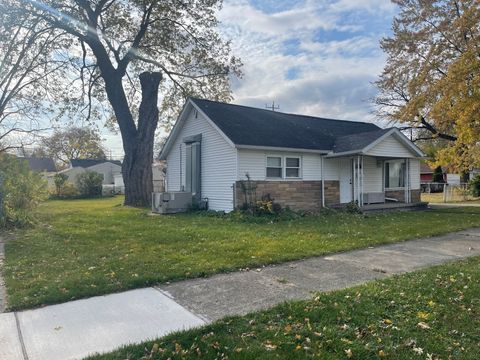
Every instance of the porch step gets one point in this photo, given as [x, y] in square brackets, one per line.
[386, 207]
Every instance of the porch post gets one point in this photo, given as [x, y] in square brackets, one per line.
[407, 181]
[362, 184]
[353, 180]
[323, 180]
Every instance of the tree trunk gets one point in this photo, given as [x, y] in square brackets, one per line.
[137, 163]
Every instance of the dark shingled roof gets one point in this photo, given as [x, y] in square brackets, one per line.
[41, 164]
[258, 127]
[85, 163]
[357, 141]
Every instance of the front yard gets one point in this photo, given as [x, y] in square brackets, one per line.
[83, 248]
[429, 314]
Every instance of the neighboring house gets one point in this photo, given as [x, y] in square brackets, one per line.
[44, 166]
[158, 176]
[426, 173]
[449, 176]
[41, 164]
[158, 172]
[107, 168]
[301, 161]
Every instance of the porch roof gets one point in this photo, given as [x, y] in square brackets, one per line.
[363, 143]
[357, 141]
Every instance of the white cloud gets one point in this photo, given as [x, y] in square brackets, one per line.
[333, 75]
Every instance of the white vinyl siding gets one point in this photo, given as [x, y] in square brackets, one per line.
[414, 174]
[254, 162]
[391, 147]
[373, 175]
[108, 170]
[311, 167]
[218, 163]
[331, 167]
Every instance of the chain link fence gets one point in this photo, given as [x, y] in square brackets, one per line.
[446, 193]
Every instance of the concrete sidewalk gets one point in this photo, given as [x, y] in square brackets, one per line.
[76, 329]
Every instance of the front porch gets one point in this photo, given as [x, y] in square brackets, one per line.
[378, 183]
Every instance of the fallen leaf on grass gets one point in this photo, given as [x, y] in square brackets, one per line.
[423, 325]
[423, 315]
[349, 353]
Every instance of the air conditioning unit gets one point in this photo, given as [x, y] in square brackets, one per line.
[171, 202]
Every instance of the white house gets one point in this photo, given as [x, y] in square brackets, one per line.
[299, 161]
[107, 168]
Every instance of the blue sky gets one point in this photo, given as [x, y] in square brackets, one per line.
[315, 57]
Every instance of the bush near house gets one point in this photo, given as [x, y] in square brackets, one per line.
[60, 181]
[20, 191]
[474, 185]
[89, 184]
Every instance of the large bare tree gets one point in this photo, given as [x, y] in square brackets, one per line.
[29, 64]
[126, 51]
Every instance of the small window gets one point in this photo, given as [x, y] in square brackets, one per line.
[292, 167]
[274, 167]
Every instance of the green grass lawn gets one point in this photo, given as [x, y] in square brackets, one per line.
[430, 314]
[456, 198]
[83, 248]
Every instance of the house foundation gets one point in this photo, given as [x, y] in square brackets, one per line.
[296, 195]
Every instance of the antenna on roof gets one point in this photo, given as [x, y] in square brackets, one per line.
[272, 107]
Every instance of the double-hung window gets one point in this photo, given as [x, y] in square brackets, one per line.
[274, 167]
[395, 171]
[292, 167]
[280, 167]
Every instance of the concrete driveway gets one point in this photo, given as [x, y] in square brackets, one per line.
[100, 324]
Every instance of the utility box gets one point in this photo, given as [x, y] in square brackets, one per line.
[171, 202]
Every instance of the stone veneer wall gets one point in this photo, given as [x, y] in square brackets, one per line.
[332, 192]
[400, 195]
[297, 195]
[396, 194]
[415, 195]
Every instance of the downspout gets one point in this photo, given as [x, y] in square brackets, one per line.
[323, 180]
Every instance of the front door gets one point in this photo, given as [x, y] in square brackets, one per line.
[346, 187]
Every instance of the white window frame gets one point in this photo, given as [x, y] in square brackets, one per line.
[299, 168]
[274, 167]
[284, 167]
[385, 175]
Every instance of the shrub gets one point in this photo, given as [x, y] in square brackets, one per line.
[352, 208]
[20, 191]
[438, 175]
[68, 191]
[474, 185]
[60, 181]
[89, 184]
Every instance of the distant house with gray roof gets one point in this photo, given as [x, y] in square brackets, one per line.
[41, 164]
